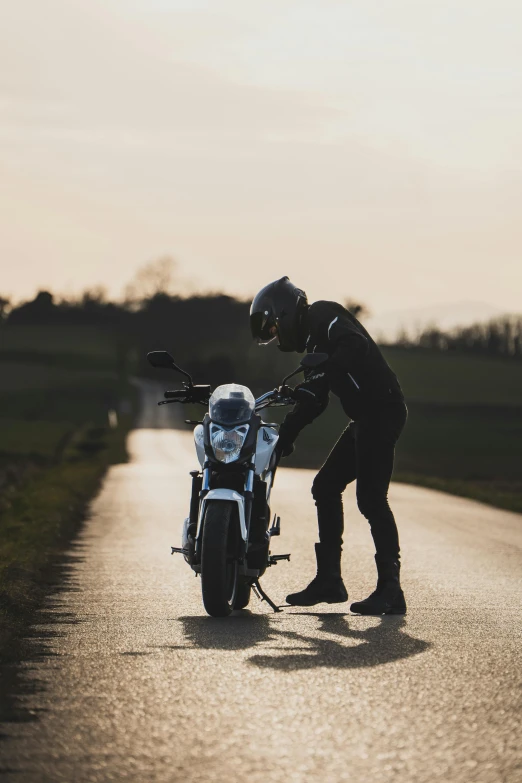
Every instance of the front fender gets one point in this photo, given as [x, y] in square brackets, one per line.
[229, 495]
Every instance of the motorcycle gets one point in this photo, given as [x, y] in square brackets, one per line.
[227, 535]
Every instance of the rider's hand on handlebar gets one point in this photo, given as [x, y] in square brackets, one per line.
[286, 392]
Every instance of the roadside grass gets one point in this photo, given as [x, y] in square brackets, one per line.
[39, 516]
[492, 492]
[55, 446]
[21, 438]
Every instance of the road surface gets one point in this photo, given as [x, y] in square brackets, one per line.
[131, 681]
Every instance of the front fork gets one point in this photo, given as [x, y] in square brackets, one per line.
[197, 486]
[200, 488]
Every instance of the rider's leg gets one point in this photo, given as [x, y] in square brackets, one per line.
[338, 470]
[375, 447]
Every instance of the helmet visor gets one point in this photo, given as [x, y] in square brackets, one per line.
[263, 327]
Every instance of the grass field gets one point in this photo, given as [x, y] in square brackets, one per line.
[464, 431]
[431, 377]
[53, 342]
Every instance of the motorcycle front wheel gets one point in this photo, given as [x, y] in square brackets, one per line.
[219, 558]
[244, 590]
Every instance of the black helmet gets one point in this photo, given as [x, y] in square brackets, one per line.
[284, 306]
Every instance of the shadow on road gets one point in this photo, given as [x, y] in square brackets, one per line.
[19, 671]
[237, 632]
[352, 648]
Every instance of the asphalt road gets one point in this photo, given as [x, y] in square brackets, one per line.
[131, 681]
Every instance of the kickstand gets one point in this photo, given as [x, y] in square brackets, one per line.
[263, 596]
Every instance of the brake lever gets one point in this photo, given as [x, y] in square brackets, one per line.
[168, 402]
[285, 401]
[283, 392]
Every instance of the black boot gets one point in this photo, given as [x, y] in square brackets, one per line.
[388, 597]
[328, 586]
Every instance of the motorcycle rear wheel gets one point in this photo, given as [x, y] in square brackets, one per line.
[219, 558]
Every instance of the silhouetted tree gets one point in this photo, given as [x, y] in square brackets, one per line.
[498, 337]
[155, 277]
[5, 306]
[359, 310]
[40, 310]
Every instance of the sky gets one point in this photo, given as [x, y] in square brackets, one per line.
[369, 149]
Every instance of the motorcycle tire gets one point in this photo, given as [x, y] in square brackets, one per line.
[219, 558]
[243, 594]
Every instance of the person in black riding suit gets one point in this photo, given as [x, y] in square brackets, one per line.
[371, 397]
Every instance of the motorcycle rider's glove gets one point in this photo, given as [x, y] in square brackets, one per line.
[284, 449]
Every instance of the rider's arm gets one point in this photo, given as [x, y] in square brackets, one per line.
[312, 399]
[348, 346]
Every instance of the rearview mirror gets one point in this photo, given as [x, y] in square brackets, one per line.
[313, 360]
[161, 359]
[165, 360]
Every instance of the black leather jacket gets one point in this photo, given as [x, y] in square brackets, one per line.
[356, 371]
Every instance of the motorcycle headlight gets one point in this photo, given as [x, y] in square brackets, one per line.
[227, 444]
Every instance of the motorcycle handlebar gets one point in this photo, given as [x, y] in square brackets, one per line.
[175, 394]
[200, 394]
[280, 396]
[266, 397]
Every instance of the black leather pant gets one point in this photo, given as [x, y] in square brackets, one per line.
[365, 452]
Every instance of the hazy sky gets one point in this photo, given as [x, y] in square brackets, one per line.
[370, 149]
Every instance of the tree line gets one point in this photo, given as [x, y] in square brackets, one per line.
[501, 337]
[210, 336]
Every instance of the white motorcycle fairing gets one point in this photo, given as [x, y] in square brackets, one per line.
[198, 440]
[267, 438]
